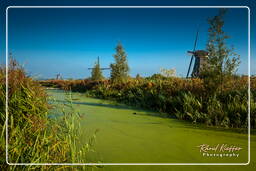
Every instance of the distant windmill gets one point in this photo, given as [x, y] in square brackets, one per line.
[98, 62]
[200, 59]
[58, 76]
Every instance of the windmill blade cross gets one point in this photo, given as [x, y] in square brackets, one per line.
[98, 62]
[196, 40]
[100, 68]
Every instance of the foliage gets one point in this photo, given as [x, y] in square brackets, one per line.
[168, 72]
[191, 108]
[32, 136]
[185, 99]
[119, 69]
[138, 76]
[222, 61]
[96, 72]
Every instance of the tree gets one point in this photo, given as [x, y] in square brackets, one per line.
[119, 69]
[222, 62]
[96, 72]
[138, 77]
[168, 72]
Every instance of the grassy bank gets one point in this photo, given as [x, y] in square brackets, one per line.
[186, 99]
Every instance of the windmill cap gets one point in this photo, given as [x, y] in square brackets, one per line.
[199, 53]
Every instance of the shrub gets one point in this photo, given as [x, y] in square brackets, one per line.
[191, 108]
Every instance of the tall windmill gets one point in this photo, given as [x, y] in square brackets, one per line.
[98, 62]
[200, 57]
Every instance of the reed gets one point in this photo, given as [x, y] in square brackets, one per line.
[33, 136]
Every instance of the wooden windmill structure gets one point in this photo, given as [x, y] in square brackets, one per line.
[58, 77]
[200, 57]
[98, 62]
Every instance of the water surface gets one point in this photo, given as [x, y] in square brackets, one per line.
[129, 135]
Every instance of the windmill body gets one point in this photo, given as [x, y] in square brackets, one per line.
[200, 57]
[200, 62]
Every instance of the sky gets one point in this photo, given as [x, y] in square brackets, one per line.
[68, 41]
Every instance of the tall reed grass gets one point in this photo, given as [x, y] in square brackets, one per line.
[34, 137]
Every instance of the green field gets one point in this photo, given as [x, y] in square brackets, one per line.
[130, 135]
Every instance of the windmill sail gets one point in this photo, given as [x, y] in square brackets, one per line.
[98, 62]
[193, 53]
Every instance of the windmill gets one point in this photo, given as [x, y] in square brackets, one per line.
[58, 77]
[98, 62]
[200, 59]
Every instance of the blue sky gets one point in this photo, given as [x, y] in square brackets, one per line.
[68, 41]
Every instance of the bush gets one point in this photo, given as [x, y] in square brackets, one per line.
[191, 108]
